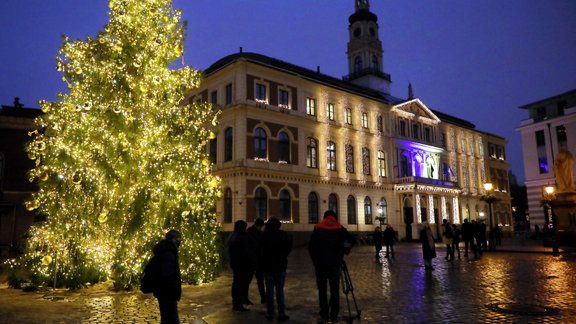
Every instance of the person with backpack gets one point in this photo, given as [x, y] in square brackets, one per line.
[328, 244]
[167, 286]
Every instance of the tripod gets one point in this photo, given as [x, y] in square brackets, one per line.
[347, 287]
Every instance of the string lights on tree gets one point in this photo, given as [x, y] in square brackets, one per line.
[120, 158]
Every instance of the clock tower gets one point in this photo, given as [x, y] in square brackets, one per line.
[365, 54]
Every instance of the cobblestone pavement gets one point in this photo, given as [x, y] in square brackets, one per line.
[499, 287]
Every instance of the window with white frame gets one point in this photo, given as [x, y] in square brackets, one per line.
[381, 164]
[365, 120]
[311, 106]
[330, 111]
[331, 155]
[348, 116]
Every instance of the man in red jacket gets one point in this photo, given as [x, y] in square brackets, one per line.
[328, 244]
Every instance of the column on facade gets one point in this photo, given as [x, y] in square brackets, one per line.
[456, 210]
[431, 219]
[443, 207]
[418, 208]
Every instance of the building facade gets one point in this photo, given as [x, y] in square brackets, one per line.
[15, 123]
[293, 142]
[551, 126]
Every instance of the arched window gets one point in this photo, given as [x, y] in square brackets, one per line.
[351, 202]
[366, 161]
[381, 164]
[261, 203]
[228, 144]
[285, 205]
[383, 210]
[333, 203]
[283, 147]
[331, 155]
[313, 208]
[374, 63]
[358, 64]
[349, 158]
[228, 205]
[367, 210]
[311, 153]
[260, 143]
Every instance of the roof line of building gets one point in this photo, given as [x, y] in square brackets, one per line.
[567, 93]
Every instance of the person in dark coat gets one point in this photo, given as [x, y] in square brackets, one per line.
[328, 244]
[169, 288]
[428, 246]
[255, 232]
[242, 264]
[455, 240]
[467, 236]
[378, 241]
[389, 235]
[447, 235]
[276, 246]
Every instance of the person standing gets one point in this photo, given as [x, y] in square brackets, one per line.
[467, 236]
[455, 240]
[389, 236]
[242, 264]
[255, 232]
[447, 235]
[428, 246]
[328, 244]
[377, 241]
[276, 246]
[168, 290]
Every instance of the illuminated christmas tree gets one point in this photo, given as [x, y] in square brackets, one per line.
[120, 159]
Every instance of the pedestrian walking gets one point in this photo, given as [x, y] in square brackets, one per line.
[277, 245]
[447, 235]
[328, 244]
[455, 240]
[428, 246]
[389, 236]
[242, 264]
[377, 241]
[467, 236]
[255, 232]
[168, 289]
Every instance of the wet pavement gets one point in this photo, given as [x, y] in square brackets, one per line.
[503, 286]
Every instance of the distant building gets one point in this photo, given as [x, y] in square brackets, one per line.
[293, 142]
[15, 123]
[551, 126]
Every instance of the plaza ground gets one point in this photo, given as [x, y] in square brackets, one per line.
[522, 282]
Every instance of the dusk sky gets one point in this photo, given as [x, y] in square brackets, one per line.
[474, 59]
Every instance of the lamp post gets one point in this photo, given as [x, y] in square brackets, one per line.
[490, 198]
[549, 219]
[380, 217]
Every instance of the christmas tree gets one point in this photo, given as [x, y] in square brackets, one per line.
[121, 158]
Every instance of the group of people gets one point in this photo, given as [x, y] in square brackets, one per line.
[386, 237]
[472, 233]
[262, 251]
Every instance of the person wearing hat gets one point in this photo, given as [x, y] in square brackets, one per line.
[328, 244]
[169, 288]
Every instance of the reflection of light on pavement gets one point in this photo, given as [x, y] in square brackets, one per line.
[386, 280]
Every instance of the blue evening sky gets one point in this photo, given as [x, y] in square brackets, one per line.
[474, 59]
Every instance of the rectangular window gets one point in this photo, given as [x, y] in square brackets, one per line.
[214, 97]
[540, 140]
[541, 114]
[444, 140]
[283, 99]
[379, 124]
[348, 116]
[561, 136]
[541, 150]
[229, 94]
[330, 111]
[491, 150]
[402, 129]
[560, 107]
[427, 134]
[311, 106]
[416, 131]
[365, 120]
[260, 92]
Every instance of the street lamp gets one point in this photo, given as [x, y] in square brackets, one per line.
[380, 212]
[490, 198]
[549, 224]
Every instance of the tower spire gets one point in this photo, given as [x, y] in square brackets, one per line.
[365, 53]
